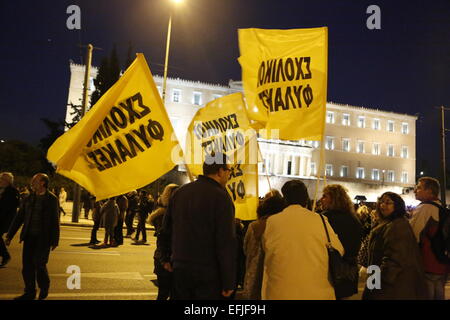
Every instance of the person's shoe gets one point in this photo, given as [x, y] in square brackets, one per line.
[5, 260]
[43, 294]
[26, 296]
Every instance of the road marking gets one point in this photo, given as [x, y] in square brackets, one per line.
[106, 275]
[90, 294]
[110, 253]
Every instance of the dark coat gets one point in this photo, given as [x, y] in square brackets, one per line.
[393, 247]
[9, 201]
[199, 230]
[350, 232]
[50, 219]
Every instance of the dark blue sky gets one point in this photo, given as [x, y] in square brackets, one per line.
[404, 67]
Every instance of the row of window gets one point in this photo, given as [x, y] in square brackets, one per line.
[197, 97]
[361, 122]
[360, 173]
[360, 147]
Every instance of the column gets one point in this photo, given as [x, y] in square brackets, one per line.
[294, 169]
[302, 171]
[308, 166]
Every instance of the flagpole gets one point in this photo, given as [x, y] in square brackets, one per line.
[77, 190]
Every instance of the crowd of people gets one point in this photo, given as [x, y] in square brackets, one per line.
[204, 252]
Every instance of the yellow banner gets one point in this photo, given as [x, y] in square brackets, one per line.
[223, 126]
[123, 143]
[284, 74]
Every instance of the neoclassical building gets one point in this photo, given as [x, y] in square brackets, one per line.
[369, 151]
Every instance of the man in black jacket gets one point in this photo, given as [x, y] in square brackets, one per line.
[198, 237]
[39, 214]
[9, 201]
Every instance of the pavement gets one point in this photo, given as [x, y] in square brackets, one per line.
[66, 220]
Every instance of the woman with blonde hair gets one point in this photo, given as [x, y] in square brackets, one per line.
[156, 218]
[339, 210]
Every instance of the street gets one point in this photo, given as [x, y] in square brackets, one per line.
[120, 273]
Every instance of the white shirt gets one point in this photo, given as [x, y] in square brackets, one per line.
[296, 258]
[421, 214]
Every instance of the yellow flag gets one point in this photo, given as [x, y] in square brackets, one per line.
[123, 143]
[284, 74]
[223, 126]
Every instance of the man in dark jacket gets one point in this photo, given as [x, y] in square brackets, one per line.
[9, 201]
[39, 214]
[198, 237]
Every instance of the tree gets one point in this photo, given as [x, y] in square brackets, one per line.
[21, 158]
[130, 58]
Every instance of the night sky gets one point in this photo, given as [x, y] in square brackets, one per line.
[404, 67]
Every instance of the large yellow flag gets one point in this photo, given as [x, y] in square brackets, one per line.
[223, 126]
[284, 75]
[123, 143]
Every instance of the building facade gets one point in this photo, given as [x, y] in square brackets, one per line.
[368, 151]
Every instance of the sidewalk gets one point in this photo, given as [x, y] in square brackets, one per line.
[66, 220]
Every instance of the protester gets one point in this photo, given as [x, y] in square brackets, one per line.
[110, 215]
[96, 217]
[164, 277]
[145, 207]
[122, 203]
[296, 256]
[39, 215]
[425, 221]
[393, 248]
[133, 206]
[198, 240]
[9, 201]
[272, 203]
[62, 200]
[339, 209]
[88, 203]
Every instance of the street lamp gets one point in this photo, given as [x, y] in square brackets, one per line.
[166, 63]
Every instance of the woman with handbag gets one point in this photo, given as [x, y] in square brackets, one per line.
[339, 210]
[393, 248]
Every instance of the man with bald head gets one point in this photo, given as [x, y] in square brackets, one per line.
[9, 201]
[39, 215]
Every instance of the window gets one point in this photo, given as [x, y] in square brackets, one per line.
[346, 119]
[391, 152]
[375, 174]
[176, 95]
[360, 147]
[359, 173]
[344, 171]
[289, 168]
[329, 170]
[405, 128]
[346, 145]
[361, 122]
[197, 98]
[376, 149]
[329, 144]
[330, 117]
[404, 152]
[391, 176]
[390, 126]
[404, 177]
[313, 169]
[376, 124]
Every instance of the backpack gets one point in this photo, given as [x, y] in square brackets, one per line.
[440, 242]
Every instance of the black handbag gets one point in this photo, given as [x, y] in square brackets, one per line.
[340, 271]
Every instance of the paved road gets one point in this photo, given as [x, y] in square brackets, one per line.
[119, 273]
